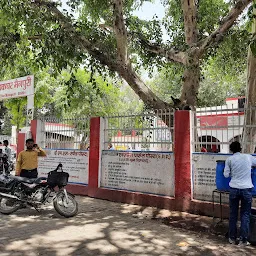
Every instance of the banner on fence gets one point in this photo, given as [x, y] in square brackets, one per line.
[15, 88]
[204, 177]
[146, 172]
[75, 162]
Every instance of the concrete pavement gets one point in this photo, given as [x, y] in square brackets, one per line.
[105, 228]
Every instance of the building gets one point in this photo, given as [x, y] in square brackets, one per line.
[218, 126]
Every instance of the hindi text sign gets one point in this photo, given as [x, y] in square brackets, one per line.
[147, 172]
[204, 177]
[15, 88]
[75, 162]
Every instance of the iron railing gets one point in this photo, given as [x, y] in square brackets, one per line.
[216, 127]
[66, 133]
[149, 131]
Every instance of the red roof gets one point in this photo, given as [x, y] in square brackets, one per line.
[242, 97]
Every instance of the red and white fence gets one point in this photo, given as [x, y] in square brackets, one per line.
[152, 162]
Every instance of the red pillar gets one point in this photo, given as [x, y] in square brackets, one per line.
[182, 149]
[94, 156]
[20, 143]
[33, 129]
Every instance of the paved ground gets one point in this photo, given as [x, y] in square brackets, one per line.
[107, 228]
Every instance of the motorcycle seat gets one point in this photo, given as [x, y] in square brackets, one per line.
[29, 181]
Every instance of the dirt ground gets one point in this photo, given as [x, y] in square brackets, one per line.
[107, 228]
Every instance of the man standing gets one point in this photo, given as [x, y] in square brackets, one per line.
[27, 161]
[238, 167]
[7, 157]
[7, 150]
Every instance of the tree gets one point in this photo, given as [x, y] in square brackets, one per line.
[108, 34]
[84, 94]
[79, 93]
[44, 84]
[5, 125]
[249, 133]
[216, 83]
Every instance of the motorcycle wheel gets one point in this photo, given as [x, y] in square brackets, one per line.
[67, 208]
[8, 205]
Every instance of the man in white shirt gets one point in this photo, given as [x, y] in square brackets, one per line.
[238, 167]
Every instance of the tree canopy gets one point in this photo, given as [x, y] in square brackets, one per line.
[109, 39]
[70, 94]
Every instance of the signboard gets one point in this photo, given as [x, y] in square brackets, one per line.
[15, 88]
[75, 162]
[146, 172]
[218, 122]
[204, 176]
[163, 131]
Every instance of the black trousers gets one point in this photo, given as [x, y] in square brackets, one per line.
[30, 174]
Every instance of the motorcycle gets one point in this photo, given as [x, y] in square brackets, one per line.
[17, 192]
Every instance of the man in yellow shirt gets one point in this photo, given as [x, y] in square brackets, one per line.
[27, 161]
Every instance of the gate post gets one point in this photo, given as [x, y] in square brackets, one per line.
[20, 144]
[96, 146]
[37, 128]
[183, 159]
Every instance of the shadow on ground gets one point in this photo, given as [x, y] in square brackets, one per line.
[107, 228]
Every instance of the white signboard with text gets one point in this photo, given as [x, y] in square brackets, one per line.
[146, 172]
[15, 88]
[204, 176]
[75, 162]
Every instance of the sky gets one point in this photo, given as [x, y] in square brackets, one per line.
[146, 12]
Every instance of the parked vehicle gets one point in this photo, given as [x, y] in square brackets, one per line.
[17, 192]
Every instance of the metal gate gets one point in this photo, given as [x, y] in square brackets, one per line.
[66, 133]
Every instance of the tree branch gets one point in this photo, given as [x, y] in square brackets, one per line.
[120, 31]
[226, 24]
[169, 54]
[125, 71]
[189, 8]
[34, 38]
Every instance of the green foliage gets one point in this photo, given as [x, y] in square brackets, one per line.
[215, 86]
[5, 122]
[43, 87]
[210, 14]
[231, 57]
[214, 89]
[34, 41]
[16, 108]
[253, 48]
[167, 82]
[82, 93]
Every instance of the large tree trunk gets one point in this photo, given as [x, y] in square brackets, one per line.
[249, 133]
[191, 78]
[189, 94]
[191, 74]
